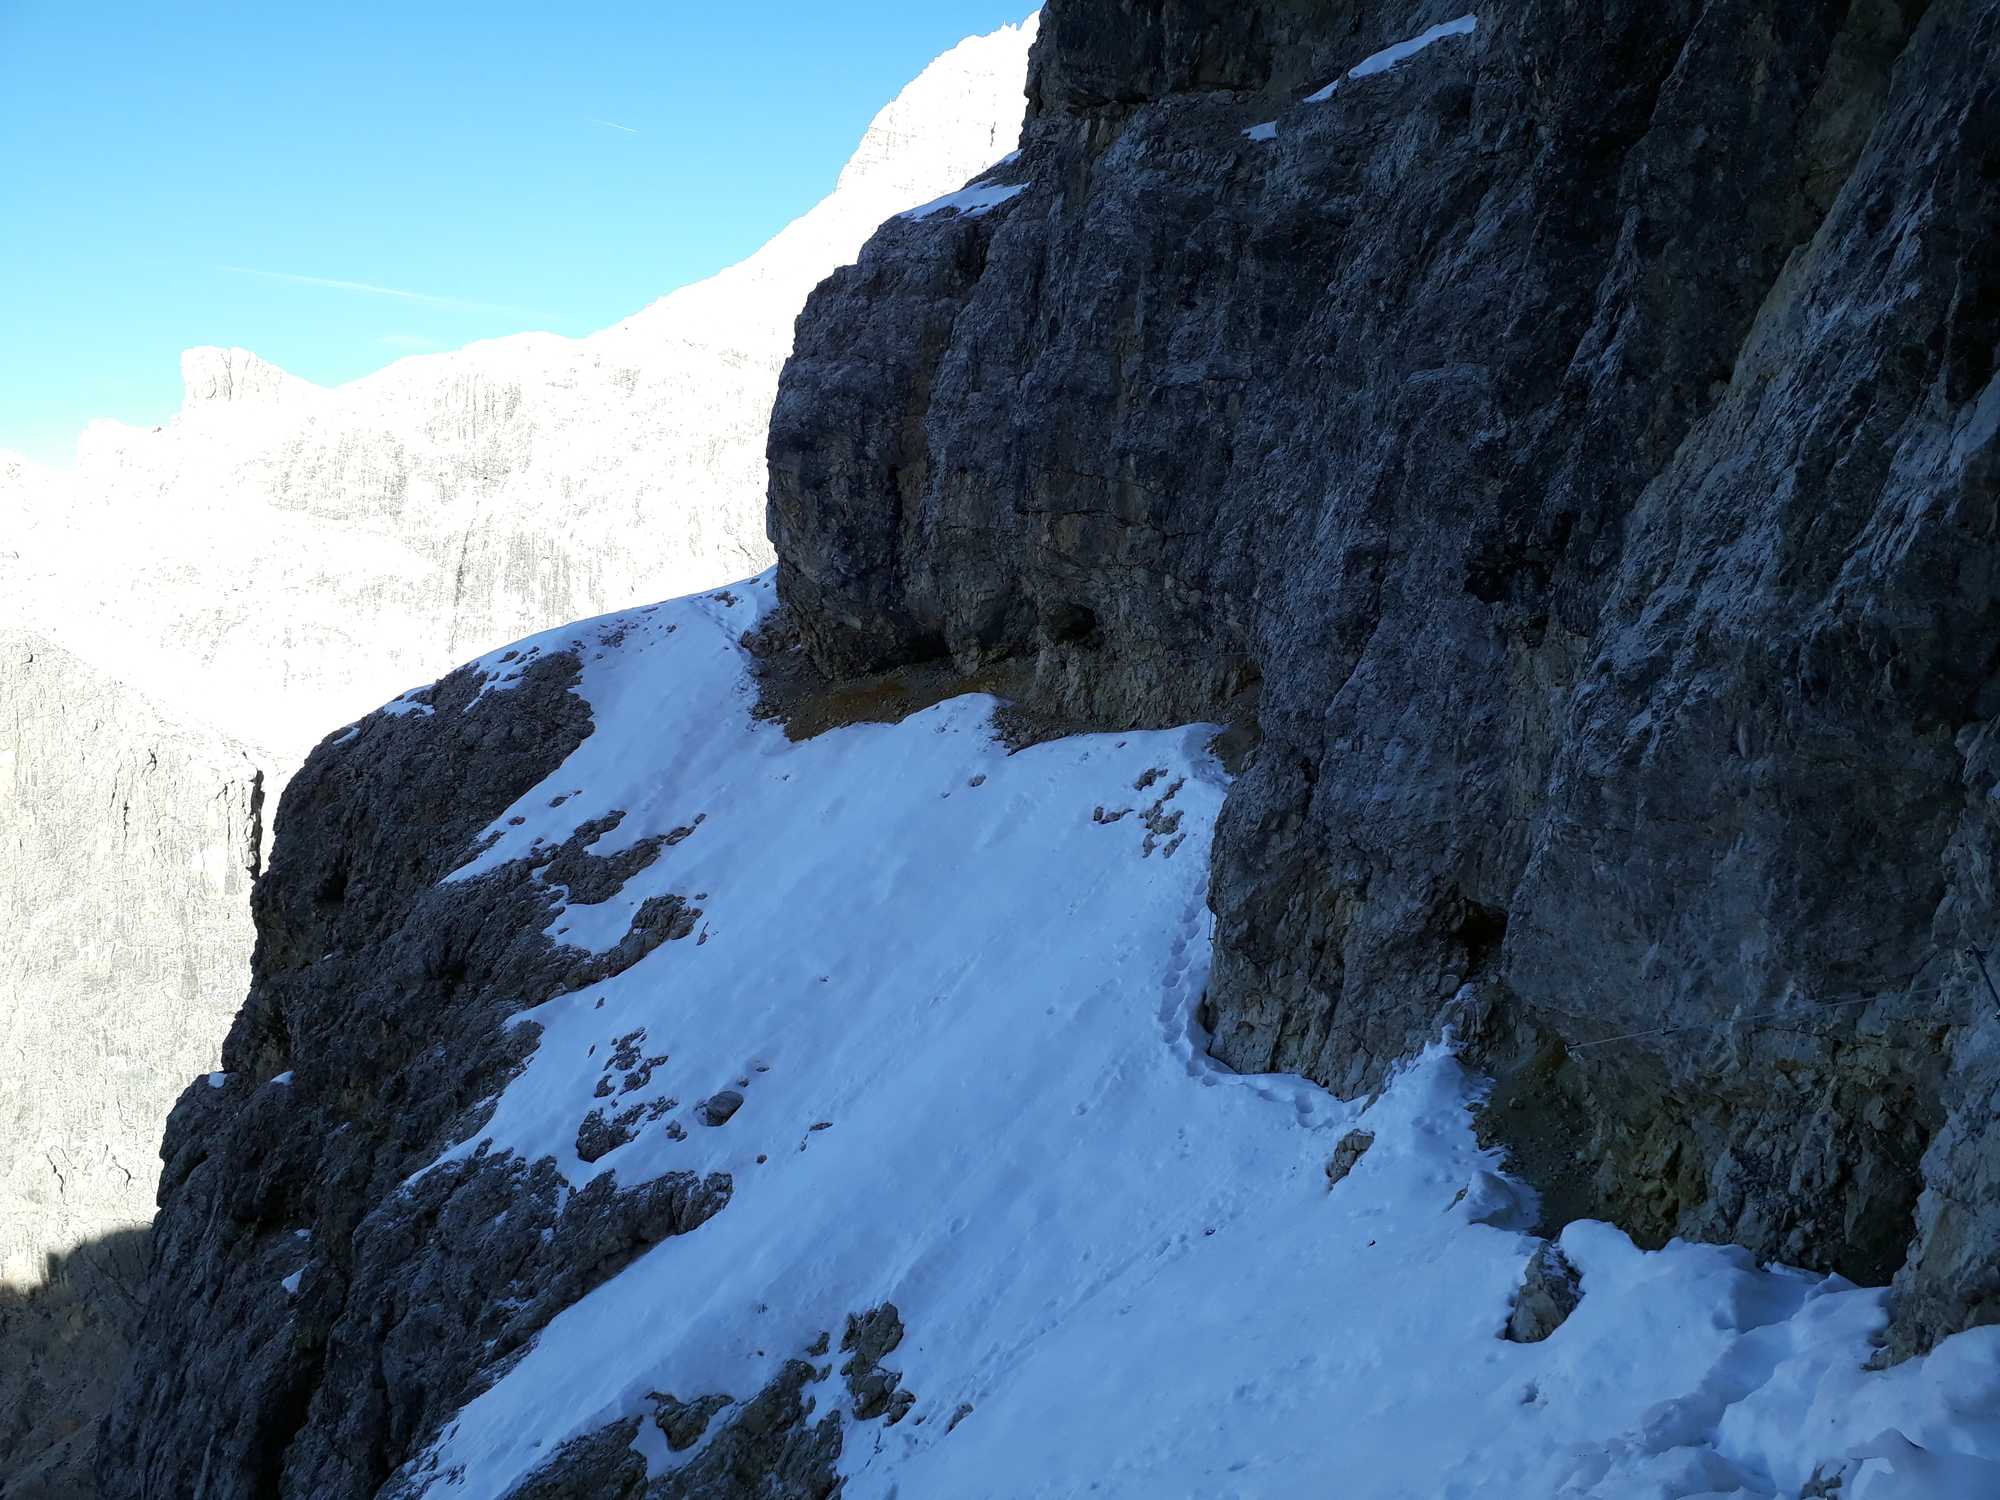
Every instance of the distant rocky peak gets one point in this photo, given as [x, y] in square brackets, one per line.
[209, 374]
[900, 155]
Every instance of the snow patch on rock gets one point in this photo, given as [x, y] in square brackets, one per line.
[969, 202]
[954, 1000]
[1388, 57]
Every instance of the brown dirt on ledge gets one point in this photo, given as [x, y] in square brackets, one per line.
[792, 692]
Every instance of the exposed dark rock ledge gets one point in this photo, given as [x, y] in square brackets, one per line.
[1581, 439]
[309, 1326]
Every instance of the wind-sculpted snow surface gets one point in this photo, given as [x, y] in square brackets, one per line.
[994, 1221]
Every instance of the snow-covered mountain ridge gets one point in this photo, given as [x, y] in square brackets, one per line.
[281, 557]
[964, 1206]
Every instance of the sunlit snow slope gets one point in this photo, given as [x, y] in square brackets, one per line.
[281, 556]
[955, 989]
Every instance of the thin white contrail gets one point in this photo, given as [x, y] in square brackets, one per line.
[370, 289]
[613, 124]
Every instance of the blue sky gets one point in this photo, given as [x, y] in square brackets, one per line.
[465, 153]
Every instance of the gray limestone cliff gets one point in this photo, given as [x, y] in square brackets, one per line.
[1564, 452]
[131, 839]
[1574, 444]
[141, 827]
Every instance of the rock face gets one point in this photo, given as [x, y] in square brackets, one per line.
[130, 842]
[67, 1342]
[283, 1168]
[238, 377]
[1563, 441]
[1574, 437]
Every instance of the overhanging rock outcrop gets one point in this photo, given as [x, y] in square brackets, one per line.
[1573, 434]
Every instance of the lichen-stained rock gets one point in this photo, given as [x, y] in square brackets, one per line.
[1575, 438]
[326, 1308]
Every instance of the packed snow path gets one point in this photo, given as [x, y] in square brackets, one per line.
[955, 990]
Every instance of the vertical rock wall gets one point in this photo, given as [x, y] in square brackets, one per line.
[124, 955]
[129, 841]
[1573, 441]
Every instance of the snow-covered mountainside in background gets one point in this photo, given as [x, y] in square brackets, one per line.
[979, 1216]
[279, 557]
[186, 612]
